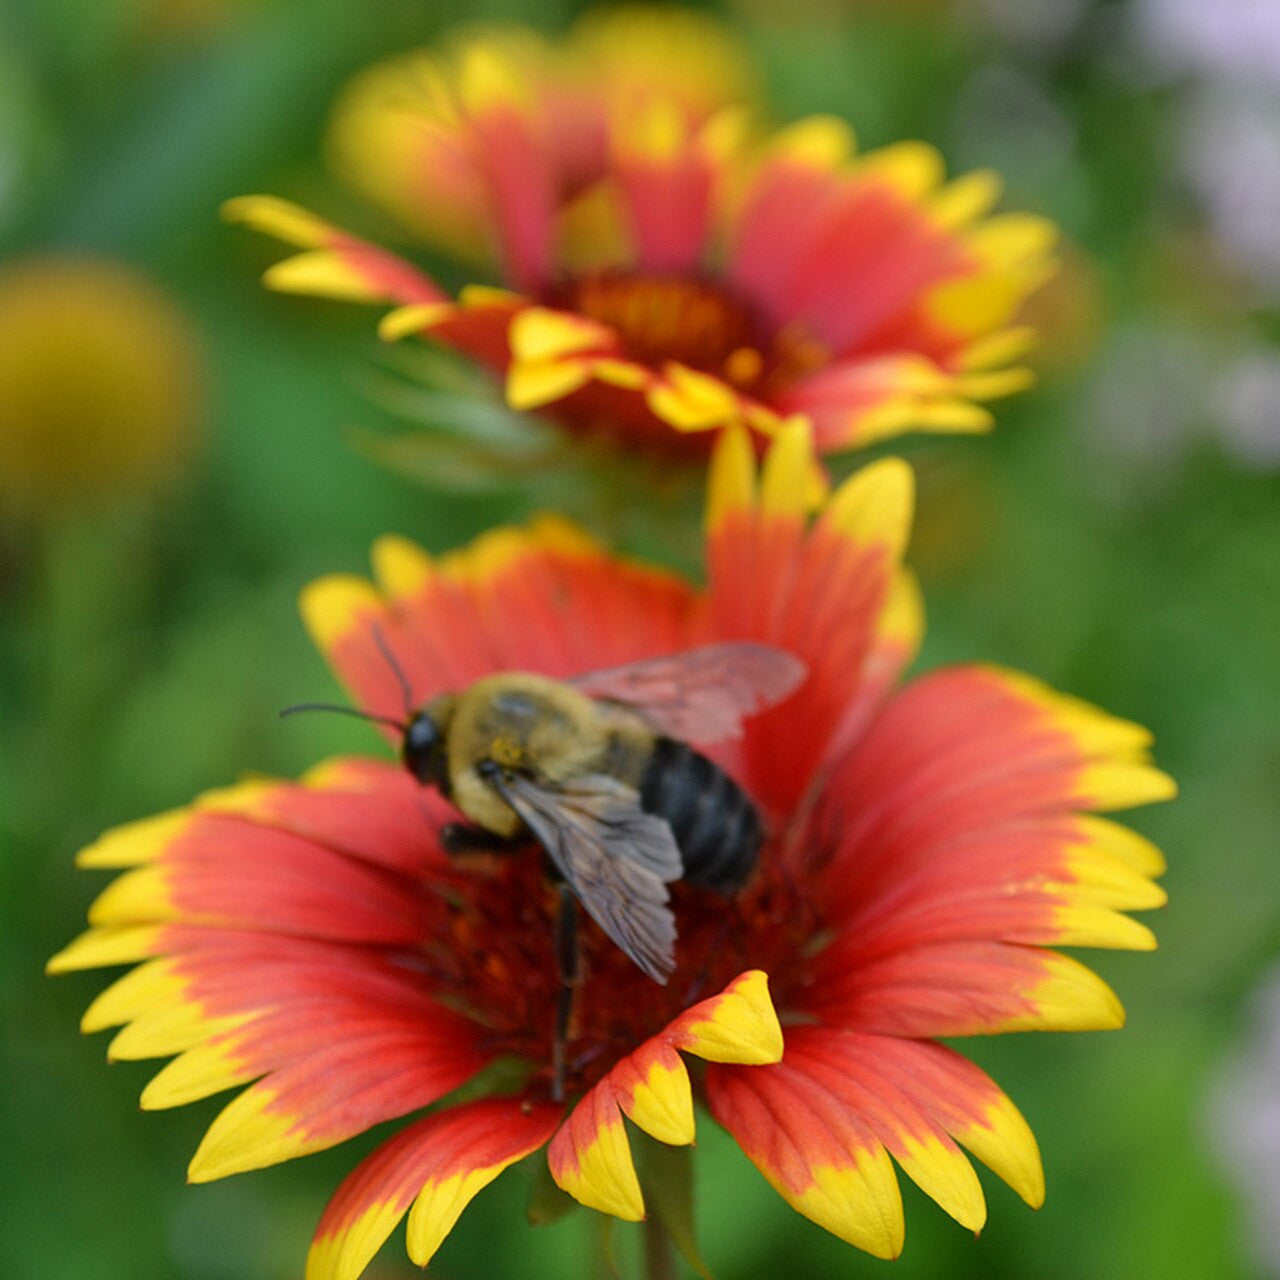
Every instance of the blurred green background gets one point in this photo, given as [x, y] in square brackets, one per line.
[1119, 536]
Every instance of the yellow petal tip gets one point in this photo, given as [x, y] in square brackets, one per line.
[332, 606]
[414, 318]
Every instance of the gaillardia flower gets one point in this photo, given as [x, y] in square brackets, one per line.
[654, 269]
[100, 383]
[927, 848]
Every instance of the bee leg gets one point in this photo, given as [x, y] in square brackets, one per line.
[566, 939]
[463, 837]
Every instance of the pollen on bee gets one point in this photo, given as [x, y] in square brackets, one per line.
[506, 751]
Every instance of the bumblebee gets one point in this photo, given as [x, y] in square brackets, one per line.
[600, 772]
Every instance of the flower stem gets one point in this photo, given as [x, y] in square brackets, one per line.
[605, 1262]
[659, 1255]
[666, 1175]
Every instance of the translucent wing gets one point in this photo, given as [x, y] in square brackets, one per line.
[616, 858]
[701, 695]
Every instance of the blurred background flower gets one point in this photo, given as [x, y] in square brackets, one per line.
[666, 266]
[99, 383]
[1228, 56]
[1142, 574]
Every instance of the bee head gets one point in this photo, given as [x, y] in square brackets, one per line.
[424, 749]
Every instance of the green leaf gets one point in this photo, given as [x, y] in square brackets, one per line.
[546, 1203]
[666, 1177]
[469, 415]
[606, 1247]
[447, 462]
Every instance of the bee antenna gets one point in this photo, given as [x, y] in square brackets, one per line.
[397, 670]
[343, 711]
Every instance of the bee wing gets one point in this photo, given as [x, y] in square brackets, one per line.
[616, 858]
[701, 695]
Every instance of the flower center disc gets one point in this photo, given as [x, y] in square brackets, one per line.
[496, 962]
[672, 318]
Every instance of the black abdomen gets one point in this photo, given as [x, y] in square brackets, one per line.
[715, 823]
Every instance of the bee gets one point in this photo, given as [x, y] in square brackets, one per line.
[600, 772]
[603, 773]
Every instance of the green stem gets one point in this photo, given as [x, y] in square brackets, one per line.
[91, 592]
[659, 1256]
[666, 1176]
[605, 1261]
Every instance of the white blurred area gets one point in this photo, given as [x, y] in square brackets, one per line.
[1227, 53]
[1248, 408]
[1243, 1124]
[1183, 375]
[1039, 26]
[1225, 56]
[1232, 163]
[1161, 390]
[1236, 40]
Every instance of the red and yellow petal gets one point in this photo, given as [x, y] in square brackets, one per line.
[689, 400]
[370, 810]
[514, 156]
[819, 1155]
[635, 53]
[543, 355]
[258, 906]
[899, 633]
[437, 1165]
[968, 751]
[668, 173]
[553, 354]
[460, 145]
[822, 1125]
[933, 283]
[477, 324]
[794, 181]
[102, 947]
[320, 1094]
[546, 599]
[870, 253]
[339, 1039]
[279, 1020]
[396, 136]
[673, 410]
[1013, 253]
[818, 590]
[333, 264]
[962, 853]
[590, 1157]
[366, 809]
[1114, 769]
[651, 1086]
[577, 370]
[237, 1006]
[219, 869]
[739, 1025]
[857, 400]
[961, 989]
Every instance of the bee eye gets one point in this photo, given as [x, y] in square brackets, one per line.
[422, 749]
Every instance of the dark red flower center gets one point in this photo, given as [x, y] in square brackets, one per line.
[697, 322]
[495, 961]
